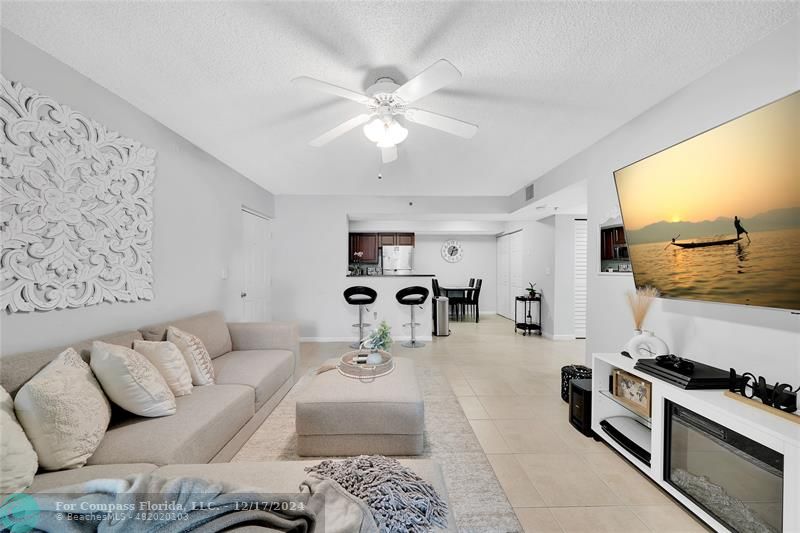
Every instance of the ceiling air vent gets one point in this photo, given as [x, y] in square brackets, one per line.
[529, 193]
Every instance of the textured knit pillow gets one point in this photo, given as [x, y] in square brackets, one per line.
[195, 354]
[168, 359]
[64, 412]
[18, 461]
[131, 381]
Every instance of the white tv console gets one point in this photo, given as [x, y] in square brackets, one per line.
[765, 428]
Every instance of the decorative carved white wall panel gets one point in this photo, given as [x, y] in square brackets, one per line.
[76, 207]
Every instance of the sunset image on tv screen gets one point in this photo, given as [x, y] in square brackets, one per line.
[717, 217]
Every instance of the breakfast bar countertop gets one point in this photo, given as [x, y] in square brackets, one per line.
[391, 275]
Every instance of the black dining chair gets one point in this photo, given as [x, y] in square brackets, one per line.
[473, 299]
[436, 290]
[457, 300]
[471, 282]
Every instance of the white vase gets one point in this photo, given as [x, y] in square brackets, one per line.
[645, 344]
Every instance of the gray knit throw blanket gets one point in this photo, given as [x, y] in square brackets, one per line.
[400, 500]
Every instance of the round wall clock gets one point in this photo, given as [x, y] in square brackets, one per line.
[452, 251]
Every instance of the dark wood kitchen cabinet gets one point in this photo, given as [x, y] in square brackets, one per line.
[364, 242]
[611, 239]
[396, 239]
[405, 239]
[387, 239]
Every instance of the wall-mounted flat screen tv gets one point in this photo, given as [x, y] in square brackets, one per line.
[717, 217]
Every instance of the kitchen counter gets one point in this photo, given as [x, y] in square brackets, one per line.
[386, 307]
[391, 276]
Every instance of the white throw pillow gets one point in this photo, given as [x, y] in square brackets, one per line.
[131, 381]
[18, 461]
[168, 359]
[64, 412]
[195, 354]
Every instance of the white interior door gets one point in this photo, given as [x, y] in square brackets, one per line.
[503, 281]
[256, 268]
[581, 235]
[516, 278]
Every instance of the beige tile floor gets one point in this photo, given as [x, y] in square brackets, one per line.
[556, 479]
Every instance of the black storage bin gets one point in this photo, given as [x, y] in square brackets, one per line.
[572, 372]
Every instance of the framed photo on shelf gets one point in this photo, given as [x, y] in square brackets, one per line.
[633, 392]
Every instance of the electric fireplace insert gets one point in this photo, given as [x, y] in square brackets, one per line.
[733, 478]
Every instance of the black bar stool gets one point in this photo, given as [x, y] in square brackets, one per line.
[362, 297]
[413, 297]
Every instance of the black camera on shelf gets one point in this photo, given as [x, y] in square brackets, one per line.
[780, 395]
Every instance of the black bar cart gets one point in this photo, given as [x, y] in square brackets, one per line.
[527, 325]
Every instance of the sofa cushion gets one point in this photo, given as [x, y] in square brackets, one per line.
[204, 422]
[18, 461]
[19, 368]
[168, 359]
[131, 381]
[64, 412]
[210, 327]
[195, 354]
[63, 478]
[264, 370]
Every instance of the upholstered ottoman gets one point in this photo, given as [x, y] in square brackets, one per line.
[341, 416]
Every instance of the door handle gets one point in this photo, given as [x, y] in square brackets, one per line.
[243, 294]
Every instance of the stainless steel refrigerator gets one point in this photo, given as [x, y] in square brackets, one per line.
[397, 260]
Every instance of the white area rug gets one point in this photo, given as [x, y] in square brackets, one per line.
[477, 500]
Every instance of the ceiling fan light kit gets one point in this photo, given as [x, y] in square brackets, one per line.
[385, 133]
[385, 101]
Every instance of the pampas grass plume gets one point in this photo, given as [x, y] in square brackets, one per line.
[639, 303]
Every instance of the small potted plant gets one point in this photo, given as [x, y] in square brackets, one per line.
[357, 260]
[380, 339]
[531, 290]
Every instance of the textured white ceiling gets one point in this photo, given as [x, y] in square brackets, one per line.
[543, 80]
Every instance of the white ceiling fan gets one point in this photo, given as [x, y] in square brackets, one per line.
[386, 100]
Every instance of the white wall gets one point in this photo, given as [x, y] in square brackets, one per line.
[549, 261]
[197, 206]
[538, 263]
[479, 261]
[762, 340]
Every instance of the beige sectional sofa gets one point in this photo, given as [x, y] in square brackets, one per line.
[255, 366]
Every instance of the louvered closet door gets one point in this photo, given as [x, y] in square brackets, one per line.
[581, 235]
[517, 280]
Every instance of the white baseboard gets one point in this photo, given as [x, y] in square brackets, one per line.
[558, 337]
[327, 339]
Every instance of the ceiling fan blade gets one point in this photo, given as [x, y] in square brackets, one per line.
[431, 79]
[341, 129]
[441, 122]
[311, 83]
[389, 154]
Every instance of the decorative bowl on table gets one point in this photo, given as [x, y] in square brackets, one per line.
[354, 364]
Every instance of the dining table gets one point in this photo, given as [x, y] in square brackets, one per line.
[455, 291]
[455, 288]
